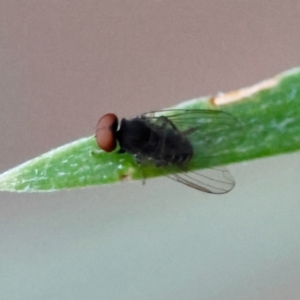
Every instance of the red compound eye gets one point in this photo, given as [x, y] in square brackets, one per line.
[106, 132]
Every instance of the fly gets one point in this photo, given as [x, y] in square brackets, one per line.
[165, 137]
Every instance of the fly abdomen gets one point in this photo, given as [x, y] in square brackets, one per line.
[171, 148]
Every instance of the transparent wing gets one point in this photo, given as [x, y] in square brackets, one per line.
[214, 181]
[187, 119]
[209, 131]
[204, 129]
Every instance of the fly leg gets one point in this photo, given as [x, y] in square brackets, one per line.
[95, 153]
[165, 122]
[121, 151]
[161, 121]
[168, 121]
[139, 162]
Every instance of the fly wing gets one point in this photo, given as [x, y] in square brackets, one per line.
[203, 128]
[207, 130]
[213, 181]
[185, 119]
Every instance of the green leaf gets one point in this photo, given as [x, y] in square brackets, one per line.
[269, 118]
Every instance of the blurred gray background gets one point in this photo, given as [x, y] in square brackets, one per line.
[66, 63]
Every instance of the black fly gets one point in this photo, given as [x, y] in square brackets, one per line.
[165, 138]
